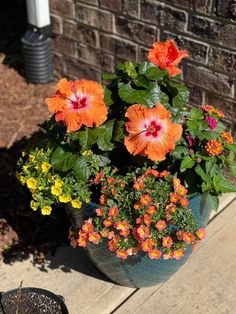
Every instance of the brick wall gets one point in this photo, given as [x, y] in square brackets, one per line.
[91, 36]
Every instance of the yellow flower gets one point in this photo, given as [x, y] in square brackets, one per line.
[23, 154]
[58, 183]
[86, 153]
[34, 205]
[31, 157]
[76, 203]
[46, 210]
[56, 190]
[45, 167]
[25, 168]
[87, 200]
[64, 198]
[34, 196]
[22, 180]
[31, 183]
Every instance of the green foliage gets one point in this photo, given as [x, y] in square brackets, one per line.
[62, 160]
[148, 97]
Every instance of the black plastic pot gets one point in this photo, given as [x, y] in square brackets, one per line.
[31, 301]
[37, 52]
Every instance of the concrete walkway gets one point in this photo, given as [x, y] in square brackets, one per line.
[206, 284]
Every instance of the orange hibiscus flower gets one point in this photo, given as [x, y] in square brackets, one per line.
[77, 103]
[152, 134]
[167, 56]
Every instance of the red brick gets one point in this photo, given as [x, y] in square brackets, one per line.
[196, 95]
[56, 24]
[143, 54]
[65, 46]
[136, 31]
[222, 59]
[213, 31]
[80, 32]
[91, 2]
[93, 17]
[214, 82]
[118, 47]
[111, 5]
[59, 66]
[131, 8]
[80, 70]
[96, 57]
[64, 8]
[225, 9]
[159, 14]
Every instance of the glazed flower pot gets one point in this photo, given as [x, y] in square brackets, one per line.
[137, 270]
[31, 300]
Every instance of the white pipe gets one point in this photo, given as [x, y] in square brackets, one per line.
[38, 13]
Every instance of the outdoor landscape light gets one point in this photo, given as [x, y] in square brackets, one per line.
[37, 43]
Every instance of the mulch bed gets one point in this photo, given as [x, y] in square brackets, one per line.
[22, 108]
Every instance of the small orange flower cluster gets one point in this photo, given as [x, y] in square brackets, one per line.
[227, 137]
[214, 147]
[211, 109]
[147, 228]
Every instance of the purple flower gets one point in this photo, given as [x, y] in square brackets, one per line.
[212, 122]
[192, 141]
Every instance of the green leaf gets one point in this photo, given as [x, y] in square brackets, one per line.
[231, 147]
[193, 127]
[144, 66]
[105, 135]
[196, 114]
[211, 201]
[207, 135]
[155, 73]
[100, 160]
[231, 157]
[181, 94]
[107, 96]
[164, 99]
[209, 164]
[151, 71]
[215, 169]
[187, 163]
[220, 127]
[233, 170]
[130, 68]
[148, 97]
[62, 160]
[87, 138]
[223, 185]
[204, 176]
[196, 128]
[180, 152]
[142, 81]
[118, 132]
[109, 76]
[81, 168]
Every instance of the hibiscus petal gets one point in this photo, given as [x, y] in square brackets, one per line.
[56, 104]
[64, 87]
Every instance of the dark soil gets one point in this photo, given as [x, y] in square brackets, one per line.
[28, 301]
[22, 108]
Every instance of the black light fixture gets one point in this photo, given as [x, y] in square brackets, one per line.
[37, 43]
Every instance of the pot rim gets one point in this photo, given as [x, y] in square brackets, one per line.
[59, 299]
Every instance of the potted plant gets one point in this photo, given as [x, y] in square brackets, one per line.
[31, 300]
[138, 169]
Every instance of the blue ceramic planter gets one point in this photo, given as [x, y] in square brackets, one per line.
[139, 270]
